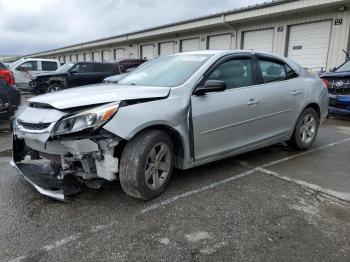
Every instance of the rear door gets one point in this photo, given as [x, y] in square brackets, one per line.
[279, 96]
[101, 71]
[222, 120]
[81, 74]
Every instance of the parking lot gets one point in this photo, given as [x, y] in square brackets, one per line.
[269, 205]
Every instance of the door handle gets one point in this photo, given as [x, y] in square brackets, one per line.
[296, 92]
[253, 102]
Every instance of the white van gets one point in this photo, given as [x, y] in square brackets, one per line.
[25, 68]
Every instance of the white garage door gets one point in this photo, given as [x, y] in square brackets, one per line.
[166, 48]
[219, 42]
[118, 53]
[147, 52]
[106, 55]
[308, 44]
[96, 56]
[190, 45]
[260, 40]
[87, 57]
[80, 57]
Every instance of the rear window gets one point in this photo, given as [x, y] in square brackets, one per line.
[103, 68]
[48, 66]
[2, 66]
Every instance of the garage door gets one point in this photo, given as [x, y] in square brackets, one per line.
[80, 57]
[219, 42]
[87, 57]
[190, 45]
[96, 56]
[166, 48]
[260, 40]
[147, 52]
[106, 55]
[118, 53]
[309, 43]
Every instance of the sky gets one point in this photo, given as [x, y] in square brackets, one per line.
[29, 26]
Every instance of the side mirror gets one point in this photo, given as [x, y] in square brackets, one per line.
[73, 71]
[21, 68]
[129, 70]
[211, 86]
[333, 69]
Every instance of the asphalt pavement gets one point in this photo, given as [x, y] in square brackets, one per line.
[274, 204]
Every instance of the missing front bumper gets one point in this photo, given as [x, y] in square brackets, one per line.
[60, 170]
[40, 176]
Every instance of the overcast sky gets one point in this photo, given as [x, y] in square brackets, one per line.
[29, 26]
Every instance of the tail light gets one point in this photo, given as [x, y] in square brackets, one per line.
[7, 76]
[325, 83]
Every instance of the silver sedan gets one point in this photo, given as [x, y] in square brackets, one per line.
[181, 110]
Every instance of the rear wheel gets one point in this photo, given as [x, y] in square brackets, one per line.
[146, 164]
[305, 130]
[54, 88]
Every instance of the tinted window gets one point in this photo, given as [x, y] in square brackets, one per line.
[102, 68]
[167, 71]
[30, 65]
[84, 68]
[48, 66]
[235, 73]
[272, 71]
[2, 66]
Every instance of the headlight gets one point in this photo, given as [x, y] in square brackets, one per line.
[89, 119]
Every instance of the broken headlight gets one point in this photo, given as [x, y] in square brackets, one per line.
[89, 119]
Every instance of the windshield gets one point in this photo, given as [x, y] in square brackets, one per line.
[169, 71]
[343, 68]
[64, 68]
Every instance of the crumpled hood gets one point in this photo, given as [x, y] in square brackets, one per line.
[48, 74]
[98, 94]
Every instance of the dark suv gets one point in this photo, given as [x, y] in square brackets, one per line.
[79, 74]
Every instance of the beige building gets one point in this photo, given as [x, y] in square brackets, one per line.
[311, 32]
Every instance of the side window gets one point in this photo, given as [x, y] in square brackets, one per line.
[102, 68]
[29, 65]
[235, 73]
[290, 72]
[272, 71]
[48, 66]
[83, 68]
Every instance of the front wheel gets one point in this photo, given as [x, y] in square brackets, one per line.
[146, 164]
[305, 130]
[54, 88]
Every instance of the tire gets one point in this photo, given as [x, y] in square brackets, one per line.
[144, 171]
[304, 135]
[54, 88]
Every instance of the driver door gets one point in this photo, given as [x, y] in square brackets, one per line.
[25, 71]
[221, 120]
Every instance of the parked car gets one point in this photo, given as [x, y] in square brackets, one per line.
[180, 110]
[7, 75]
[338, 83]
[25, 68]
[79, 74]
[10, 100]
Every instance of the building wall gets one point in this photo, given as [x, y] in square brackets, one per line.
[339, 38]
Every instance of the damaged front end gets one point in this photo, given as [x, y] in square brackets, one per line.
[59, 151]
